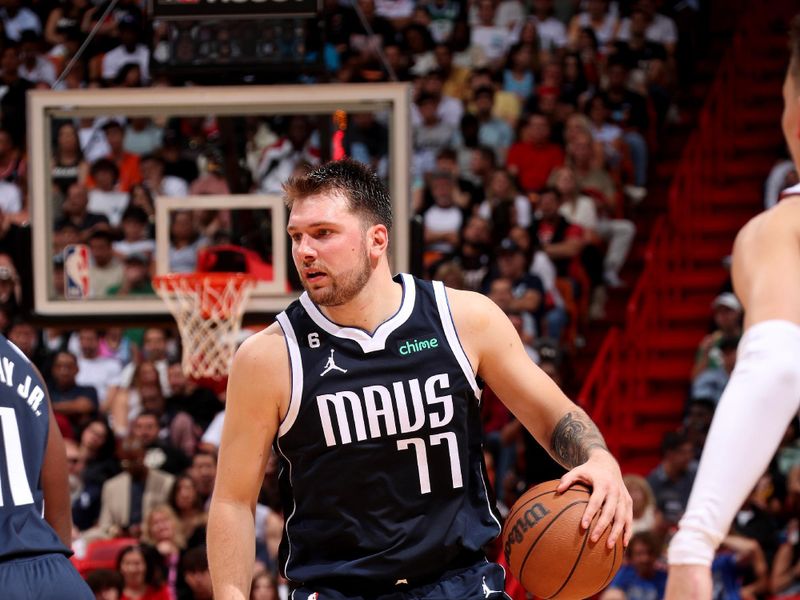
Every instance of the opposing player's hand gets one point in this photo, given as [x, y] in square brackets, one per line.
[610, 497]
[688, 582]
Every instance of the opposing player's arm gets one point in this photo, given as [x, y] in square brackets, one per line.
[493, 346]
[55, 486]
[258, 387]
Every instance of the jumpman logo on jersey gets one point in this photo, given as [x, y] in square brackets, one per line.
[487, 591]
[330, 366]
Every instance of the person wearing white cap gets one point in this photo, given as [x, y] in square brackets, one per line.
[763, 394]
[727, 314]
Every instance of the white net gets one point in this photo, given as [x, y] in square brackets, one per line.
[208, 308]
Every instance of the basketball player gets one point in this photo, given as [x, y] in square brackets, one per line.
[370, 384]
[33, 482]
[763, 394]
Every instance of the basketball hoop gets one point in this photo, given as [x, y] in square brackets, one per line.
[208, 308]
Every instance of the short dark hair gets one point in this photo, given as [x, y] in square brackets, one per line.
[365, 192]
[672, 441]
[103, 579]
[195, 560]
[794, 46]
[104, 164]
[648, 539]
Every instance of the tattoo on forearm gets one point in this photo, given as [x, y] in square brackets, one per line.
[573, 438]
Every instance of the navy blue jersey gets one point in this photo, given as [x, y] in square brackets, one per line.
[24, 425]
[382, 475]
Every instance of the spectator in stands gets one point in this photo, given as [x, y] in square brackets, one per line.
[161, 530]
[492, 131]
[504, 206]
[105, 197]
[582, 210]
[127, 162]
[106, 271]
[69, 166]
[204, 472]
[551, 31]
[672, 479]
[599, 18]
[34, 67]
[642, 577]
[474, 252]
[97, 447]
[74, 211]
[201, 402]
[141, 574]
[142, 136]
[699, 413]
[443, 220]
[127, 497]
[710, 383]
[455, 78]
[735, 555]
[532, 158]
[129, 50]
[785, 578]
[279, 160]
[94, 370]
[185, 242]
[431, 136]
[367, 140]
[188, 506]
[25, 337]
[492, 39]
[727, 315]
[586, 162]
[628, 108]
[644, 503]
[264, 587]
[561, 241]
[160, 453]
[17, 19]
[527, 289]
[12, 104]
[159, 184]
[195, 571]
[77, 402]
[659, 28]
[135, 234]
[135, 277]
[518, 75]
[448, 108]
[105, 584]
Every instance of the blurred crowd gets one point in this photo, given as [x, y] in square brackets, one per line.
[535, 126]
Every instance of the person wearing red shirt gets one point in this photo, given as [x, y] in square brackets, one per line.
[534, 156]
[560, 240]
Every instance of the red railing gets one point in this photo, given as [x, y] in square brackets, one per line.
[601, 384]
[610, 393]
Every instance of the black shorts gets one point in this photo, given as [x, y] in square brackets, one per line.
[482, 581]
[45, 577]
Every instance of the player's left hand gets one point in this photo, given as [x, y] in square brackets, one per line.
[610, 497]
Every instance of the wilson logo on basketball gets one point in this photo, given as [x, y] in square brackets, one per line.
[526, 521]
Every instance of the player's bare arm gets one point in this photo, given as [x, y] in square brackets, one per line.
[766, 250]
[258, 392]
[55, 486]
[495, 350]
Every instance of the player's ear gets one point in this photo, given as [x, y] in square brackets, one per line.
[378, 238]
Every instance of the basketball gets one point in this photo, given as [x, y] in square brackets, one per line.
[548, 552]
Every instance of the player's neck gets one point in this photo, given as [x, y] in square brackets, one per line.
[377, 301]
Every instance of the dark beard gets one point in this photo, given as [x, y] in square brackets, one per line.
[345, 287]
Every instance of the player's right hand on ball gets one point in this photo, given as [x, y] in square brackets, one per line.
[689, 582]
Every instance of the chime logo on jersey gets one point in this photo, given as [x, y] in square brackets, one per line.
[410, 346]
[376, 410]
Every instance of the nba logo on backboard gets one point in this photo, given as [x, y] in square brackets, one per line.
[76, 271]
